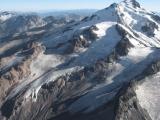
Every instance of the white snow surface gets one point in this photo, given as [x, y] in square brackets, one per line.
[148, 94]
[135, 19]
[102, 47]
[127, 68]
[5, 17]
[44, 63]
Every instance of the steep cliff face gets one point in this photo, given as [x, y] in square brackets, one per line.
[105, 66]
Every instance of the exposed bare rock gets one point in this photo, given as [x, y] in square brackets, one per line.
[129, 107]
[134, 3]
[18, 72]
[149, 28]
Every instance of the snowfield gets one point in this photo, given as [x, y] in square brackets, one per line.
[149, 95]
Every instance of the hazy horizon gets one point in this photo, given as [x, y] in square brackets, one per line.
[61, 5]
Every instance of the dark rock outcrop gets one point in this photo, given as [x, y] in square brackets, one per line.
[134, 3]
[128, 107]
[150, 28]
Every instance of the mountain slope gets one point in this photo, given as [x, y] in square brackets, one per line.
[96, 69]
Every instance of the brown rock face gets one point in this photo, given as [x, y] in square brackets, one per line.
[14, 74]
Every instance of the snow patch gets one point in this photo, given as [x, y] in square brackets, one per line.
[44, 63]
[148, 94]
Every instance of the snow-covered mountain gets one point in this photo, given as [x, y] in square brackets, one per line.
[4, 15]
[106, 66]
[158, 13]
[12, 23]
[70, 14]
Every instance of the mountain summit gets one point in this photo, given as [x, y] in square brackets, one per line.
[105, 66]
[133, 3]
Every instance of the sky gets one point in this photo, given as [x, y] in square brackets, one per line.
[44, 5]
